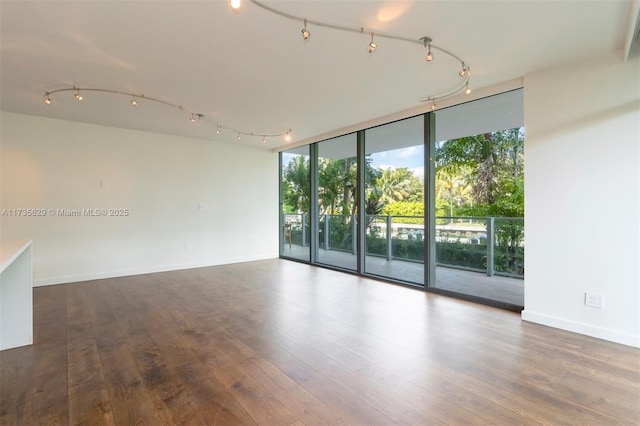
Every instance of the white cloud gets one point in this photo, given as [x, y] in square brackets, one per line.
[408, 152]
[419, 171]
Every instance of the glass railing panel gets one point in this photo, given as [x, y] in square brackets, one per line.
[508, 252]
[376, 237]
[395, 247]
[481, 256]
[461, 242]
[296, 236]
[337, 240]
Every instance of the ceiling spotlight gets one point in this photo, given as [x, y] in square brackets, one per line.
[305, 32]
[287, 136]
[433, 105]
[463, 70]
[467, 90]
[372, 45]
[192, 119]
[218, 130]
[264, 139]
[426, 40]
[78, 95]
[239, 136]
[235, 5]
[134, 102]
[47, 99]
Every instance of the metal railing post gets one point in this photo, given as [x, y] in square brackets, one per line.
[304, 229]
[490, 245]
[353, 234]
[281, 237]
[326, 232]
[389, 245]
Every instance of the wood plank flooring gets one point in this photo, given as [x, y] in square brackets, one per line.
[277, 342]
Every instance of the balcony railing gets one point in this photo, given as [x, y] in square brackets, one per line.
[494, 245]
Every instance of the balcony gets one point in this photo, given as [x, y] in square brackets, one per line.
[480, 256]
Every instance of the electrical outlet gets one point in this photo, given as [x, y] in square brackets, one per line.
[594, 300]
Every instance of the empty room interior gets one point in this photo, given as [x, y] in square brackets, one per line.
[320, 212]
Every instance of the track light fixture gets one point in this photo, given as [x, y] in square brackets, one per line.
[264, 140]
[426, 41]
[133, 99]
[467, 90]
[239, 137]
[287, 136]
[235, 5]
[305, 32]
[433, 105]
[463, 71]
[372, 45]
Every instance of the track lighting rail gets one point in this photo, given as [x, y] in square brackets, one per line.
[465, 70]
[194, 117]
[359, 30]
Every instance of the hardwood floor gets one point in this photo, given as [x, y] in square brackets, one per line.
[278, 342]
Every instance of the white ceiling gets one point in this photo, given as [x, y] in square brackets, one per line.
[252, 71]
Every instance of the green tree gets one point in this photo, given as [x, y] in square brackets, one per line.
[336, 185]
[493, 164]
[399, 185]
[454, 189]
[296, 191]
[406, 208]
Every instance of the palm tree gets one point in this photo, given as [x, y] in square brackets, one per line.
[398, 185]
[454, 188]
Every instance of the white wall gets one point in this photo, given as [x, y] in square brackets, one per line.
[160, 179]
[582, 192]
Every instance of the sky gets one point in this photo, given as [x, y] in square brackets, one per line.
[412, 158]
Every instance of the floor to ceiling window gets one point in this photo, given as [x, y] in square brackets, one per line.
[337, 204]
[394, 200]
[434, 200]
[295, 203]
[479, 199]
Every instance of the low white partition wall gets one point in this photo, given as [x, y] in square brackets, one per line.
[16, 295]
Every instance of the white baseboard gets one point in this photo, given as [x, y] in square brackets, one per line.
[586, 329]
[140, 271]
